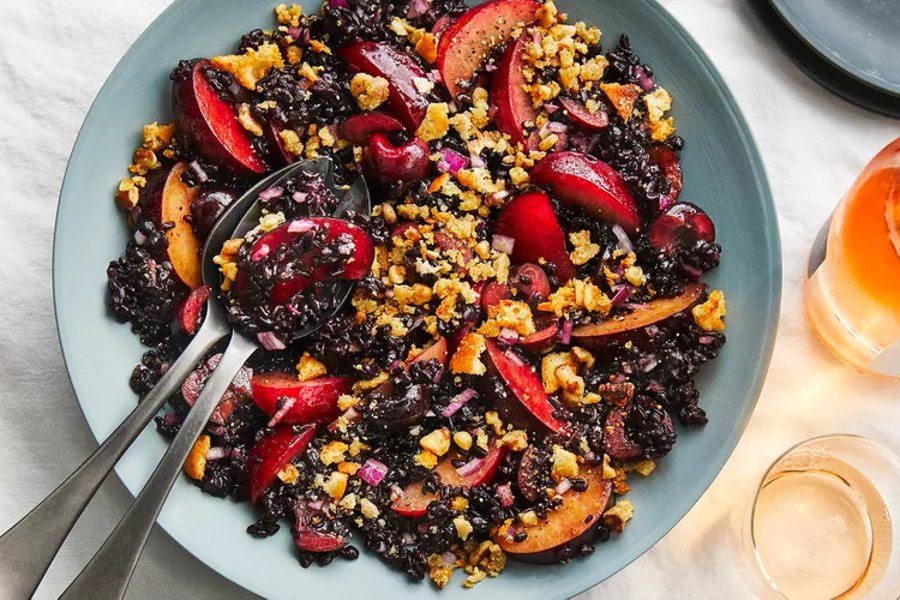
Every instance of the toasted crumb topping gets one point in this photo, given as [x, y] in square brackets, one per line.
[251, 66]
[623, 97]
[466, 359]
[711, 313]
[564, 465]
[370, 92]
[310, 368]
[436, 123]
[195, 465]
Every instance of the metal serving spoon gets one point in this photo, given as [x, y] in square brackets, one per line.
[28, 548]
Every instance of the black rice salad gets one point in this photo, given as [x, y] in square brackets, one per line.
[527, 316]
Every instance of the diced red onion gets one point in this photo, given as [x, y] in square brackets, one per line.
[505, 495]
[373, 472]
[260, 253]
[557, 127]
[551, 108]
[286, 406]
[338, 3]
[503, 243]
[163, 368]
[648, 363]
[621, 296]
[706, 340]
[171, 419]
[408, 539]
[691, 271]
[299, 197]
[300, 226]
[453, 160]
[140, 237]
[497, 198]
[565, 337]
[235, 453]
[508, 336]
[458, 402]
[490, 67]
[216, 453]
[316, 504]
[652, 331]
[270, 341]
[512, 356]
[636, 305]
[470, 468]
[440, 374]
[666, 202]
[449, 558]
[590, 457]
[477, 161]
[561, 142]
[417, 8]
[352, 415]
[295, 32]
[646, 82]
[276, 191]
[624, 240]
[434, 76]
[218, 430]
[198, 171]
[563, 486]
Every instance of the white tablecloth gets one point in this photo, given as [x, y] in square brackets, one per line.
[54, 56]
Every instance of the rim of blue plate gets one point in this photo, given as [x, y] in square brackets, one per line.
[821, 47]
[577, 580]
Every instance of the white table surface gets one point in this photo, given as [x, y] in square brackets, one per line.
[55, 55]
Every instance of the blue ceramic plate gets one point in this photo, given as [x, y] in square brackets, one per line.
[859, 37]
[723, 173]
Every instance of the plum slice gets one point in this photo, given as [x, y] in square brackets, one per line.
[535, 244]
[589, 184]
[512, 104]
[581, 116]
[541, 339]
[387, 164]
[167, 199]
[631, 326]
[682, 225]
[668, 161]
[566, 527]
[525, 386]
[356, 129]
[286, 287]
[469, 40]
[272, 453]
[237, 393]
[211, 125]
[191, 309]
[311, 401]
[381, 59]
[531, 282]
[414, 501]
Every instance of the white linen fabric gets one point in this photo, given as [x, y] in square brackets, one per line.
[55, 55]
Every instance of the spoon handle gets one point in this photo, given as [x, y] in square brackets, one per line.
[107, 575]
[28, 548]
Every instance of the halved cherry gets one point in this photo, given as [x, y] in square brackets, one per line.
[513, 106]
[580, 115]
[312, 538]
[682, 226]
[583, 181]
[493, 293]
[670, 164]
[272, 453]
[211, 125]
[616, 442]
[524, 386]
[469, 40]
[237, 393]
[531, 282]
[414, 501]
[357, 128]
[286, 288]
[441, 25]
[388, 164]
[541, 339]
[311, 401]
[381, 59]
[530, 220]
[447, 242]
[190, 312]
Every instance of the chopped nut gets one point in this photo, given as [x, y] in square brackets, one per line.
[310, 368]
[584, 250]
[439, 571]
[438, 441]
[157, 137]
[528, 518]
[248, 121]
[195, 465]
[368, 509]
[616, 517]
[426, 459]
[607, 471]
[289, 474]
[492, 418]
[370, 92]
[291, 141]
[128, 194]
[709, 315]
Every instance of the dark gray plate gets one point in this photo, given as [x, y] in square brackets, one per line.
[859, 37]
